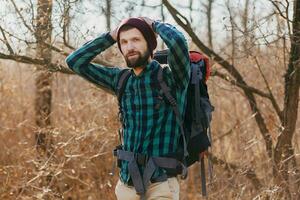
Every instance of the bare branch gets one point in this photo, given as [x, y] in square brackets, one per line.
[32, 12]
[209, 22]
[176, 15]
[53, 67]
[286, 16]
[52, 47]
[21, 16]
[66, 23]
[39, 62]
[20, 39]
[272, 98]
[287, 20]
[278, 9]
[11, 51]
[245, 87]
[247, 172]
[57, 49]
[237, 125]
[233, 24]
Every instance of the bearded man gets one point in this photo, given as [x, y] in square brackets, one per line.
[151, 133]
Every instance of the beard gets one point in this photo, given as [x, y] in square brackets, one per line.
[138, 60]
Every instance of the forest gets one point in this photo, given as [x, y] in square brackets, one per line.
[57, 131]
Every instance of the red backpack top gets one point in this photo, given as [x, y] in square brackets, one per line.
[195, 57]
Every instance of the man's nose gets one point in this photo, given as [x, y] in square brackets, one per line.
[130, 46]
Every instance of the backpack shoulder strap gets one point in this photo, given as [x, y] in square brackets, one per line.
[164, 87]
[196, 79]
[122, 83]
[166, 91]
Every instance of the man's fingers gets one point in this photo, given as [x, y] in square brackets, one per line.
[148, 20]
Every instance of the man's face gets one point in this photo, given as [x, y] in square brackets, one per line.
[134, 48]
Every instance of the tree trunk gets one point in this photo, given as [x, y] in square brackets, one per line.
[43, 84]
[66, 22]
[245, 19]
[284, 152]
[108, 15]
[209, 18]
[232, 23]
[191, 10]
[44, 78]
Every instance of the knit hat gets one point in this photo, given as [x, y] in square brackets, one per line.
[143, 27]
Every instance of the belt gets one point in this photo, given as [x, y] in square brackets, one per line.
[152, 180]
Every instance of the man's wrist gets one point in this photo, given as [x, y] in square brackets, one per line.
[108, 37]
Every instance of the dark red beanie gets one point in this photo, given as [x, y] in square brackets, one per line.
[143, 27]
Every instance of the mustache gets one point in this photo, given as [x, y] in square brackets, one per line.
[131, 53]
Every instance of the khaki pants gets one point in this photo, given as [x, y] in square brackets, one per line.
[168, 189]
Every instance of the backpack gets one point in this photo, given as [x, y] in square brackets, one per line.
[198, 113]
[195, 127]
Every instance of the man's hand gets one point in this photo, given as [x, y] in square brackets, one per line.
[149, 22]
[113, 34]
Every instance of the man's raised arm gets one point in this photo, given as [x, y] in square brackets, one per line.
[80, 62]
[178, 58]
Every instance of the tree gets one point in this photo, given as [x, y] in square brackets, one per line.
[44, 78]
[43, 95]
[284, 151]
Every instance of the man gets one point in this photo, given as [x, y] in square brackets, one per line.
[150, 129]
